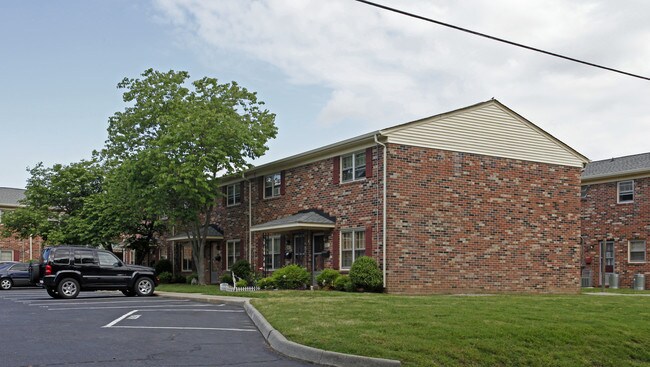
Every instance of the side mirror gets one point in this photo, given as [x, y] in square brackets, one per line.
[118, 264]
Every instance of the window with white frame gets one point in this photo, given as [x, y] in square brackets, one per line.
[187, 258]
[232, 251]
[583, 191]
[6, 255]
[233, 193]
[637, 250]
[272, 255]
[272, 185]
[353, 246]
[0, 215]
[625, 191]
[353, 167]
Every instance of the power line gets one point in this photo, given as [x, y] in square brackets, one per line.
[394, 10]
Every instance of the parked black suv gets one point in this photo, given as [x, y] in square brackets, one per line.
[65, 270]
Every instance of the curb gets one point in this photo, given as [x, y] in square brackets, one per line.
[280, 344]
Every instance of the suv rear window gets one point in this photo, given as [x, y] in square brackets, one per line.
[61, 256]
[46, 254]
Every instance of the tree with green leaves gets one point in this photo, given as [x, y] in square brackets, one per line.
[184, 137]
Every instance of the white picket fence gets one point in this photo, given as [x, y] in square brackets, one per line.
[229, 288]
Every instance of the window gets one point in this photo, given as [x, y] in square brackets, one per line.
[61, 256]
[353, 246]
[187, 258]
[272, 185]
[637, 251]
[6, 255]
[272, 256]
[625, 192]
[84, 257]
[232, 251]
[0, 215]
[106, 259]
[353, 167]
[234, 194]
[583, 191]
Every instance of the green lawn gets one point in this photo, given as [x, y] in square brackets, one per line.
[504, 330]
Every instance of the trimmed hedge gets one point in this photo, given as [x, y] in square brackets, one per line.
[365, 275]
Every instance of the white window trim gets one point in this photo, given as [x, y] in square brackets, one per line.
[618, 192]
[236, 200]
[354, 247]
[272, 254]
[234, 244]
[354, 167]
[273, 186]
[629, 252]
[10, 252]
[183, 269]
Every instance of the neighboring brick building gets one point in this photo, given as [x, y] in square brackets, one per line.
[12, 248]
[476, 200]
[616, 215]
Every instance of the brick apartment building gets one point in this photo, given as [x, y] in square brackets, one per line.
[616, 216]
[13, 248]
[474, 200]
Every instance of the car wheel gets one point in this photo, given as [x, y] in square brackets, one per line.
[68, 288]
[52, 292]
[6, 284]
[128, 292]
[144, 286]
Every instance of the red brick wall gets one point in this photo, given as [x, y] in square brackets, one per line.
[457, 222]
[468, 223]
[603, 219]
[20, 247]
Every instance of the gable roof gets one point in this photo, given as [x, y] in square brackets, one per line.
[10, 197]
[488, 128]
[631, 165]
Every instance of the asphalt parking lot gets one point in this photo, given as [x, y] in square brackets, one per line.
[109, 329]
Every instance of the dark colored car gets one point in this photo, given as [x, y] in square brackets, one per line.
[14, 275]
[64, 271]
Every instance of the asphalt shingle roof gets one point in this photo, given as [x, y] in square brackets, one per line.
[213, 232]
[10, 196]
[616, 166]
[309, 217]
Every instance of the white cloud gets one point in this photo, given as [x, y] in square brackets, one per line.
[383, 68]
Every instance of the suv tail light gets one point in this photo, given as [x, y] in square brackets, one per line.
[48, 269]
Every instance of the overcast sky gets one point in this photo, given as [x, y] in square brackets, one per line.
[330, 70]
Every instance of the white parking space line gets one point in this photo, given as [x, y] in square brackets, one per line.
[94, 302]
[181, 328]
[189, 309]
[116, 307]
[120, 318]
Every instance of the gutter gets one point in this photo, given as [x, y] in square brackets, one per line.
[383, 211]
[250, 219]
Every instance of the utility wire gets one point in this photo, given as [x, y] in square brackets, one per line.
[394, 10]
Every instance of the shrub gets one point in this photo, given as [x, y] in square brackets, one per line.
[365, 275]
[266, 283]
[190, 278]
[343, 283]
[164, 266]
[179, 278]
[165, 277]
[226, 278]
[242, 269]
[291, 277]
[327, 277]
[241, 283]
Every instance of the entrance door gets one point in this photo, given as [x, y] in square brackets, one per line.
[608, 259]
[215, 262]
[319, 255]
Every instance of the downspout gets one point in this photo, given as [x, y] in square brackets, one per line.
[383, 215]
[250, 219]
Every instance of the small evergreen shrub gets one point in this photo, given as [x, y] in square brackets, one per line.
[191, 277]
[291, 277]
[242, 269]
[164, 266]
[266, 283]
[226, 278]
[165, 277]
[327, 277]
[179, 278]
[365, 275]
[241, 283]
[343, 284]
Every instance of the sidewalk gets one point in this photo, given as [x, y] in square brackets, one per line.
[279, 343]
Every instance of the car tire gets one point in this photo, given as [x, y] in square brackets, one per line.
[144, 286]
[128, 292]
[52, 292]
[68, 288]
[6, 284]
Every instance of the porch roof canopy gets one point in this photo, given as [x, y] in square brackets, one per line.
[304, 220]
[213, 233]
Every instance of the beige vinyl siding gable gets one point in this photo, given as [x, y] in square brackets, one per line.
[487, 129]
